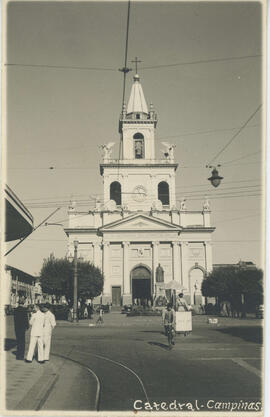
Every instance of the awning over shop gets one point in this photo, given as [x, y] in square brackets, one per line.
[19, 221]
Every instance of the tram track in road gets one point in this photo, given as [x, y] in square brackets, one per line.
[134, 364]
[98, 389]
[125, 367]
[115, 380]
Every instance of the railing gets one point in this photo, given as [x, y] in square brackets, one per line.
[139, 161]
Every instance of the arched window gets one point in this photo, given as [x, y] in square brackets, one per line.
[163, 193]
[138, 146]
[115, 192]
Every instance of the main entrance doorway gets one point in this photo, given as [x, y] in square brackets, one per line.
[116, 296]
[141, 285]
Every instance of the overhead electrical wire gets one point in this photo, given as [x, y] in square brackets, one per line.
[60, 67]
[207, 187]
[178, 198]
[236, 218]
[227, 182]
[179, 135]
[235, 135]
[203, 61]
[241, 157]
[66, 219]
[89, 168]
[91, 200]
[239, 188]
[125, 70]
[202, 132]
[228, 197]
[71, 197]
[87, 68]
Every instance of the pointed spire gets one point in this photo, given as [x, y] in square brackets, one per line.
[137, 103]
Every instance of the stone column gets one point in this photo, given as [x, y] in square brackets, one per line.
[208, 256]
[155, 246]
[127, 298]
[124, 189]
[96, 254]
[185, 277]
[172, 190]
[181, 262]
[106, 187]
[176, 262]
[153, 187]
[106, 296]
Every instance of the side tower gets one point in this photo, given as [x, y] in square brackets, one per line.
[138, 181]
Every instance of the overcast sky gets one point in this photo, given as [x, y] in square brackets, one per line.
[57, 117]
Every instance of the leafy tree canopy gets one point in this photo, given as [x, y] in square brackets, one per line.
[57, 277]
[228, 283]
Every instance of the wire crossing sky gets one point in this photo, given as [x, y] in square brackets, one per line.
[235, 135]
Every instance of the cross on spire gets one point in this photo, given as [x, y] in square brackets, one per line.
[136, 61]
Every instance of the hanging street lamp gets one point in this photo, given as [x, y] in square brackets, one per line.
[215, 179]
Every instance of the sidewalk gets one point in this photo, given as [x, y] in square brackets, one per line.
[34, 386]
[21, 377]
[49, 386]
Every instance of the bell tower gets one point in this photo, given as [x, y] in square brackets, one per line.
[137, 126]
[138, 181]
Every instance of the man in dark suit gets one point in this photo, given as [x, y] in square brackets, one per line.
[21, 324]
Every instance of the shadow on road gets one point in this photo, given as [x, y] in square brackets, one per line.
[159, 345]
[152, 331]
[10, 344]
[249, 334]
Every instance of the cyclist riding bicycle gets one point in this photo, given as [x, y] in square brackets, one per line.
[168, 319]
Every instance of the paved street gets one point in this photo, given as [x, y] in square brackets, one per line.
[128, 360]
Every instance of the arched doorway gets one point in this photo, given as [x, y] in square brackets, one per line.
[141, 285]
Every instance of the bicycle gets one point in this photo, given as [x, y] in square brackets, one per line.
[170, 333]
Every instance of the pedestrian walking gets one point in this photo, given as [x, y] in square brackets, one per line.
[21, 324]
[89, 310]
[181, 304]
[36, 336]
[100, 316]
[49, 325]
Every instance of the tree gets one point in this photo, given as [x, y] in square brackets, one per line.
[237, 285]
[57, 275]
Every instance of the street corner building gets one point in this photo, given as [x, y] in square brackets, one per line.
[138, 229]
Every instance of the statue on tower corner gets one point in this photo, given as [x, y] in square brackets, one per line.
[206, 204]
[169, 151]
[159, 274]
[107, 150]
[72, 206]
[183, 204]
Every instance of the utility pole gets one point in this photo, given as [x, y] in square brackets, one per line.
[75, 290]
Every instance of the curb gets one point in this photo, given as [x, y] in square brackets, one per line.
[98, 390]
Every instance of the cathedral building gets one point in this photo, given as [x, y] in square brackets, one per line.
[138, 230]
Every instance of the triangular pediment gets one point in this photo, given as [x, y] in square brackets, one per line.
[140, 222]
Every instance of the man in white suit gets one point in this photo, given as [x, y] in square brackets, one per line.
[49, 325]
[36, 336]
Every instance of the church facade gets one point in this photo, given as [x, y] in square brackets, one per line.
[138, 231]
